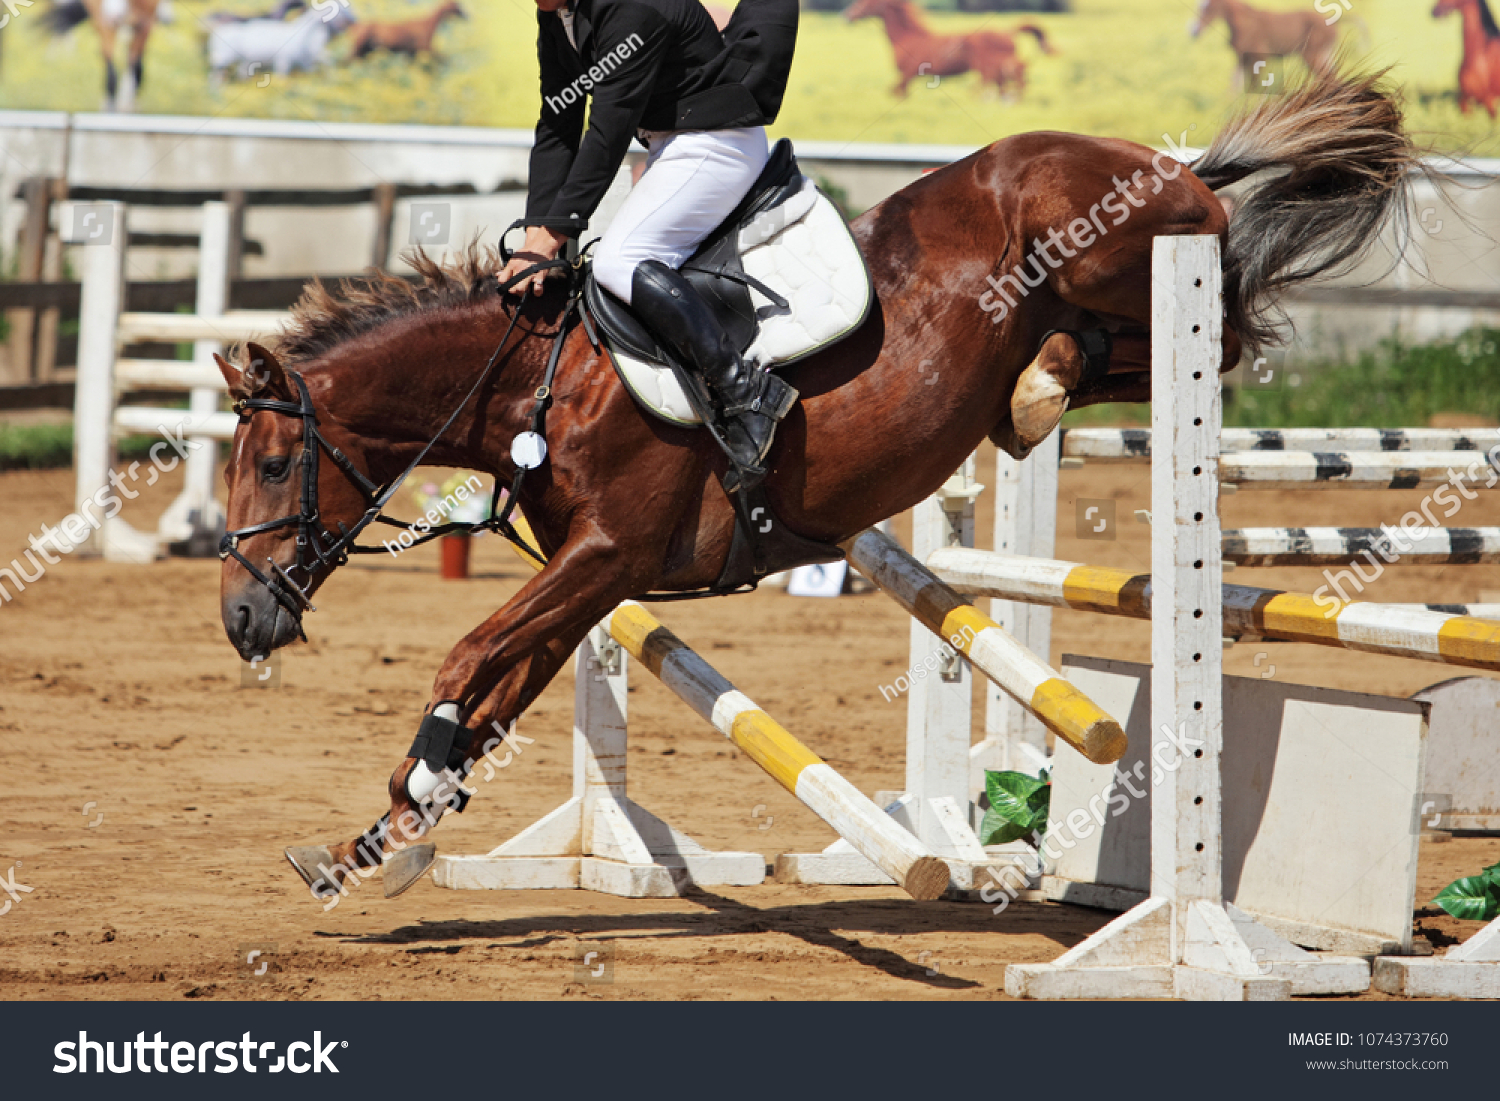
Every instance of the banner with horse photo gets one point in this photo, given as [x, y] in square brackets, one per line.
[954, 72]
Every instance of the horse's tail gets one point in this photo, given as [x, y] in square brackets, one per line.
[1342, 164]
[64, 15]
[1036, 32]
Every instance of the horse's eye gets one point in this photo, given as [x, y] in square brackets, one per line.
[274, 469]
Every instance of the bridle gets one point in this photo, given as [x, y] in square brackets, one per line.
[320, 549]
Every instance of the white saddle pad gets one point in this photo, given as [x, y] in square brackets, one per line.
[804, 251]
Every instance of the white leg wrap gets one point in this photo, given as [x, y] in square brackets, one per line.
[421, 782]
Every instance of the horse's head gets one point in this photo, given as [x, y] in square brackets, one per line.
[1447, 7]
[291, 496]
[451, 9]
[1208, 11]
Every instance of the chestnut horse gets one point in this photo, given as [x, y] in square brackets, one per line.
[1479, 72]
[626, 504]
[1254, 33]
[920, 53]
[136, 16]
[412, 37]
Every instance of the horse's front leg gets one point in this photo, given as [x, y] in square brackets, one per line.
[487, 681]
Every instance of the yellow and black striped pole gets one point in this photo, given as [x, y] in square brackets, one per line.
[1038, 688]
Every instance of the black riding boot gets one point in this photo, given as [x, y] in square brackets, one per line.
[750, 401]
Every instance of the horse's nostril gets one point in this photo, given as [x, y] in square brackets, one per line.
[244, 620]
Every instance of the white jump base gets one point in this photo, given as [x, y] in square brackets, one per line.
[600, 839]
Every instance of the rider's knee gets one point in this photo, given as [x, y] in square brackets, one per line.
[614, 265]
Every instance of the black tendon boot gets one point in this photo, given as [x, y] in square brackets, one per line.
[750, 401]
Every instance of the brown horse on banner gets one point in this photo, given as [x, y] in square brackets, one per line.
[974, 265]
[1254, 33]
[922, 54]
[135, 16]
[1479, 72]
[413, 37]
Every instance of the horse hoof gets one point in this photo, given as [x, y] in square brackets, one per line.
[406, 867]
[310, 862]
[1037, 405]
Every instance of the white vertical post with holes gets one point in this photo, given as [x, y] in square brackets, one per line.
[1025, 523]
[1183, 941]
[600, 839]
[102, 271]
[195, 517]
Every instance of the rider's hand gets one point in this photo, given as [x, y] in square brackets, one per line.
[540, 244]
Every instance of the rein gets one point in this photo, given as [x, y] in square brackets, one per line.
[318, 548]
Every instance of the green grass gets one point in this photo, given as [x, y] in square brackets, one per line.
[1125, 68]
[50, 446]
[1397, 385]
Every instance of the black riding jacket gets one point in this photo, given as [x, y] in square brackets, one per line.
[649, 65]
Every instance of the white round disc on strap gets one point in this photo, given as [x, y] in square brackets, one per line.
[528, 450]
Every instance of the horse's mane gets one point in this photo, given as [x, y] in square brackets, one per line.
[904, 14]
[1487, 19]
[322, 320]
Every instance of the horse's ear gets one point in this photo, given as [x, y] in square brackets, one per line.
[232, 377]
[263, 375]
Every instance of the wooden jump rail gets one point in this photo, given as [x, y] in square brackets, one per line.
[1111, 445]
[1336, 546]
[1400, 630]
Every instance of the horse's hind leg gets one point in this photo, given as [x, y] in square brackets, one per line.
[138, 38]
[488, 680]
[111, 77]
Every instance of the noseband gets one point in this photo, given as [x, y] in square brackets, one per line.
[320, 549]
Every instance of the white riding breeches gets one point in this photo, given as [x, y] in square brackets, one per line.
[693, 179]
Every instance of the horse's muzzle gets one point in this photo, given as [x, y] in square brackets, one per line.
[255, 622]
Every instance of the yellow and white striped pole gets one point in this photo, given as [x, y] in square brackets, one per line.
[1402, 630]
[790, 763]
[853, 815]
[1038, 688]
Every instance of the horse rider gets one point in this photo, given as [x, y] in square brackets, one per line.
[698, 100]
